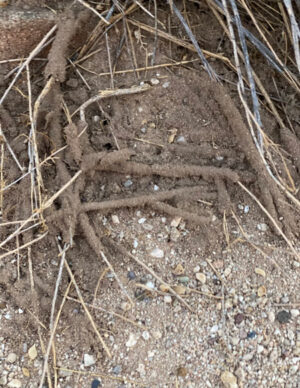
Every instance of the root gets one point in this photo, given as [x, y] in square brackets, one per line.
[173, 211]
[171, 171]
[272, 198]
[57, 61]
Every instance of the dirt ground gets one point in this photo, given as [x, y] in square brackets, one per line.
[155, 204]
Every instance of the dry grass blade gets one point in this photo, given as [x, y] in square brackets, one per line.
[297, 255]
[295, 31]
[87, 310]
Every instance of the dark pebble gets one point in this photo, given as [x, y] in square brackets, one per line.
[283, 316]
[238, 318]
[251, 334]
[131, 275]
[96, 384]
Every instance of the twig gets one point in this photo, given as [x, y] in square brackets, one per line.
[93, 10]
[10, 149]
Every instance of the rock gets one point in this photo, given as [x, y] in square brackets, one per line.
[11, 358]
[262, 227]
[214, 329]
[229, 380]
[174, 234]
[260, 349]
[132, 340]
[168, 299]
[283, 316]
[3, 380]
[154, 81]
[96, 384]
[294, 313]
[201, 277]
[252, 334]
[141, 370]
[157, 253]
[235, 340]
[238, 318]
[117, 369]
[156, 334]
[182, 371]
[181, 140]
[88, 360]
[15, 383]
[115, 219]
[146, 335]
[166, 84]
[128, 183]
[271, 316]
[131, 275]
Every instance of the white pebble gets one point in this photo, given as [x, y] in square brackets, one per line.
[135, 244]
[155, 188]
[166, 84]
[11, 358]
[214, 329]
[154, 81]
[201, 277]
[141, 220]
[260, 349]
[168, 299]
[88, 360]
[132, 340]
[262, 227]
[294, 313]
[246, 209]
[271, 316]
[15, 383]
[115, 219]
[146, 335]
[180, 139]
[196, 269]
[157, 253]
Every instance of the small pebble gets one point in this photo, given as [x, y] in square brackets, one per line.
[132, 340]
[181, 140]
[154, 81]
[146, 335]
[168, 299]
[150, 285]
[183, 279]
[271, 316]
[196, 269]
[294, 313]
[252, 334]
[214, 329]
[229, 380]
[96, 384]
[283, 316]
[201, 277]
[11, 358]
[144, 130]
[157, 253]
[238, 318]
[260, 349]
[15, 383]
[235, 340]
[156, 334]
[88, 360]
[128, 183]
[115, 219]
[155, 188]
[246, 209]
[141, 220]
[117, 369]
[166, 84]
[262, 227]
[131, 275]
